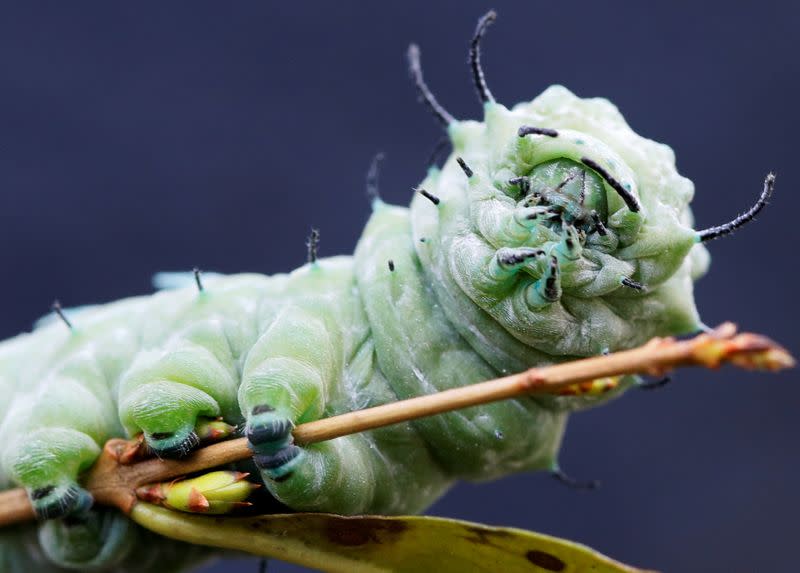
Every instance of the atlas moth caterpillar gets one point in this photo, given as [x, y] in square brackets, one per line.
[552, 232]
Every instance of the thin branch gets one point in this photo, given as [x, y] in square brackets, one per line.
[15, 507]
[112, 483]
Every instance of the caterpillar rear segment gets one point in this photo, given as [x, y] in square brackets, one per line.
[552, 232]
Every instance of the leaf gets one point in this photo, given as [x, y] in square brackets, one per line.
[372, 544]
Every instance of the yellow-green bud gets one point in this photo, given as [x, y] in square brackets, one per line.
[215, 492]
[208, 429]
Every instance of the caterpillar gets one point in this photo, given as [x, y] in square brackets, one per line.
[551, 232]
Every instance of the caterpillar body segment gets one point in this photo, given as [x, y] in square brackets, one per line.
[421, 352]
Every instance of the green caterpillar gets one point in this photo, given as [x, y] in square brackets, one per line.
[552, 232]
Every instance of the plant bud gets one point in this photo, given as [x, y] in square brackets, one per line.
[212, 430]
[214, 493]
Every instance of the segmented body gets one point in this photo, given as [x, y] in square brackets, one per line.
[552, 232]
[156, 363]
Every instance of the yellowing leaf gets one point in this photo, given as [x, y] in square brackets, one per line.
[372, 544]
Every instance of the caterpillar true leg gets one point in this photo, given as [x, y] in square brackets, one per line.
[548, 288]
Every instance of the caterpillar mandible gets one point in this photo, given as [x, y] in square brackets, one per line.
[552, 231]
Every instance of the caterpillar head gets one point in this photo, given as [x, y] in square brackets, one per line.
[557, 230]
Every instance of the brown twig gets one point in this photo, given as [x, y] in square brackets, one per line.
[112, 483]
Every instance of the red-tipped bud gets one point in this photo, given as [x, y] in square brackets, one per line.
[213, 430]
[215, 492]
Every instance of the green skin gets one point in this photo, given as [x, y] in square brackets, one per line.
[469, 298]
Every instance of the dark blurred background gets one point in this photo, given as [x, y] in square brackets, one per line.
[149, 136]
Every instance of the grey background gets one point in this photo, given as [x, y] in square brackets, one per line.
[146, 137]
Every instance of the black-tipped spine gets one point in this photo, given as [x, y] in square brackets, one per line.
[632, 284]
[430, 196]
[563, 478]
[627, 196]
[56, 307]
[478, 77]
[415, 70]
[313, 245]
[582, 197]
[533, 130]
[198, 279]
[464, 167]
[598, 224]
[655, 384]
[523, 182]
[566, 182]
[726, 229]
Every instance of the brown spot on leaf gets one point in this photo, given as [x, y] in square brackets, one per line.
[545, 560]
[363, 530]
[482, 535]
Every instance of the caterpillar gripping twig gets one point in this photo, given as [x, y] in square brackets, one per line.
[552, 232]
